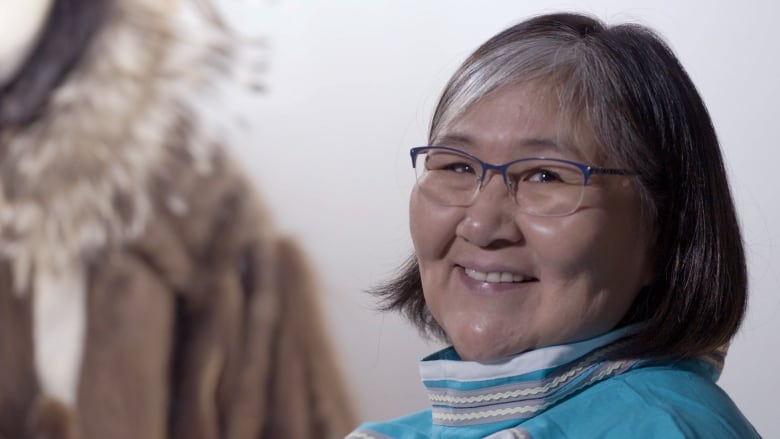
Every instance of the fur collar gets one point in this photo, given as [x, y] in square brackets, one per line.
[78, 177]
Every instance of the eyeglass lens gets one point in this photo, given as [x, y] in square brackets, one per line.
[539, 186]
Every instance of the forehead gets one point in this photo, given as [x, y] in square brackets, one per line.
[525, 119]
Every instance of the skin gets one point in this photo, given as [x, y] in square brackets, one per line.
[582, 271]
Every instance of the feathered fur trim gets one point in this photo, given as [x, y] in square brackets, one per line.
[78, 177]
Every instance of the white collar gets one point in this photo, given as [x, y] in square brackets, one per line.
[433, 368]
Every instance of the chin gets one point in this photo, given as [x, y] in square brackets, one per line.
[487, 351]
[486, 338]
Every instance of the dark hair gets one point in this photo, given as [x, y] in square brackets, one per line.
[625, 83]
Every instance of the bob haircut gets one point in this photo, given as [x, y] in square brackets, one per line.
[628, 88]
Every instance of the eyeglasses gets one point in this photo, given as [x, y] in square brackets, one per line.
[539, 186]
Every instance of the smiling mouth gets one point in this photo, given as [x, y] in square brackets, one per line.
[497, 276]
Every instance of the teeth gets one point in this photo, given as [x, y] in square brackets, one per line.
[494, 276]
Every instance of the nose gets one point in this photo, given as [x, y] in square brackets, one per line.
[491, 220]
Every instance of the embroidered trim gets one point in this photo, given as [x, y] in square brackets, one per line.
[514, 394]
[442, 416]
[524, 400]
[447, 396]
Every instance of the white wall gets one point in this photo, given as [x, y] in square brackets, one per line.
[351, 88]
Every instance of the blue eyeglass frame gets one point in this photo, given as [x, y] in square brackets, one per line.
[587, 170]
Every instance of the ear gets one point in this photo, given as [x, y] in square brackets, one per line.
[20, 25]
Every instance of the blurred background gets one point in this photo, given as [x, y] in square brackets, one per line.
[350, 87]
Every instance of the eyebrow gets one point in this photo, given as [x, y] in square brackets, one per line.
[533, 145]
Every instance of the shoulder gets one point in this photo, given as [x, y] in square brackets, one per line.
[671, 400]
[413, 426]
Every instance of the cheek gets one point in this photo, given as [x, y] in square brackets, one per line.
[591, 246]
[561, 246]
[432, 226]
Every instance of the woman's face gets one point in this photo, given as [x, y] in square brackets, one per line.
[580, 272]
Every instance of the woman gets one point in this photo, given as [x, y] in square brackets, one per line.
[576, 243]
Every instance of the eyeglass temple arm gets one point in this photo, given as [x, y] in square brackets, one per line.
[413, 154]
[610, 171]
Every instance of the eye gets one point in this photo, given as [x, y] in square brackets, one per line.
[542, 176]
[451, 163]
[460, 168]
[545, 172]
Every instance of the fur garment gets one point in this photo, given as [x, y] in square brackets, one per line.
[144, 292]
